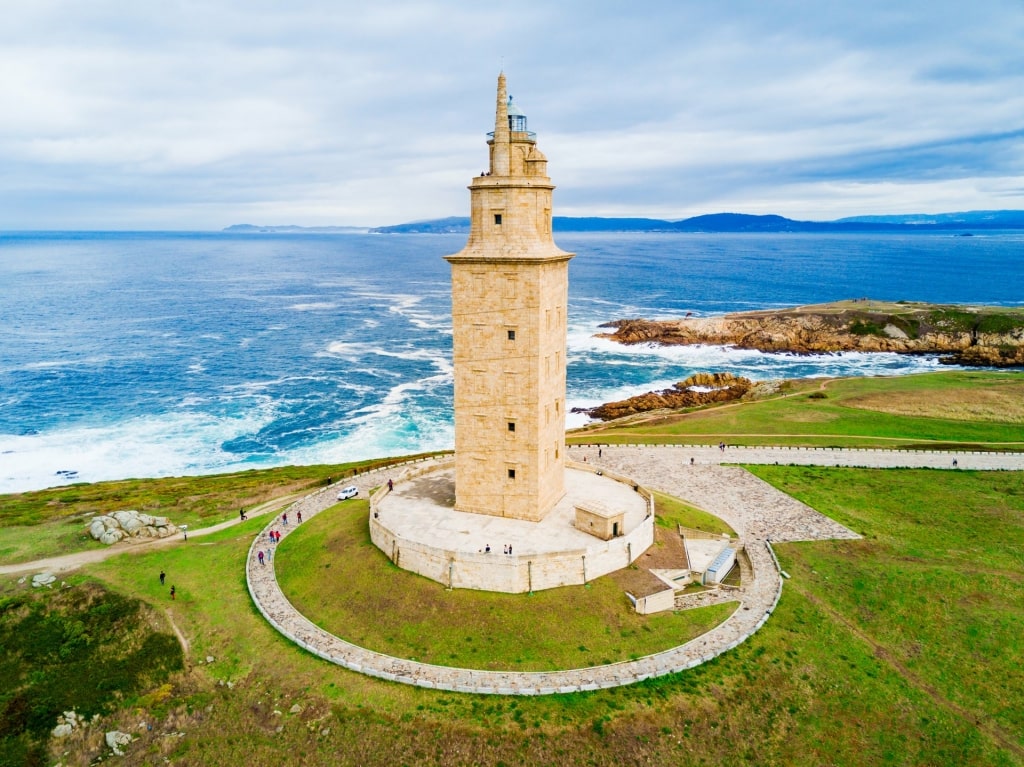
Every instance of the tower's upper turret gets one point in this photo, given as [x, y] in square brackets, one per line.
[511, 201]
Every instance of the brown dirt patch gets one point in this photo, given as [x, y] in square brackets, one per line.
[667, 553]
[996, 404]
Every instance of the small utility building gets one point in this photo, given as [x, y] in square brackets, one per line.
[599, 520]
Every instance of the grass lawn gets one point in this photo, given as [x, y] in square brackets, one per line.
[671, 512]
[956, 410]
[336, 577]
[900, 657]
[937, 583]
[47, 523]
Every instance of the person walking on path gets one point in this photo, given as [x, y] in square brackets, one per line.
[241, 514]
[391, 485]
[284, 519]
[173, 592]
[162, 576]
[260, 555]
[298, 516]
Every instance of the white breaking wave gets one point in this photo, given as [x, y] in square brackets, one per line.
[153, 446]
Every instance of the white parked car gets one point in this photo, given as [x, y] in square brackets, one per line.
[348, 492]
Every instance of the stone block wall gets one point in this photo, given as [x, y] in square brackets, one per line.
[512, 574]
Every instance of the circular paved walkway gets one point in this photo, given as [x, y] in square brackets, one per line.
[755, 510]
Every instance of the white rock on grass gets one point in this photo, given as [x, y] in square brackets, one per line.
[66, 724]
[116, 740]
[118, 525]
[43, 579]
[112, 536]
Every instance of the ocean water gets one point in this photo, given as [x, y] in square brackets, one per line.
[156, 354]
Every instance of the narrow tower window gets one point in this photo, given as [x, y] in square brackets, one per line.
[511, 473]
[511, 425]
[497, 219]
[511, 335]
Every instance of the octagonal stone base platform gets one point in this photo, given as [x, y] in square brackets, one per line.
[417, 527]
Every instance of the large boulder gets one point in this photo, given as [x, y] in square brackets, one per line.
[112, 536]
[129, 521]
[129, 524]
[100, 525]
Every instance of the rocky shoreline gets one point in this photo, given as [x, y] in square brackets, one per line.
[697, 390]
[959, 335]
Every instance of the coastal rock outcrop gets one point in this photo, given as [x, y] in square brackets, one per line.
[962, 335]
[121, 525]
[699, 389]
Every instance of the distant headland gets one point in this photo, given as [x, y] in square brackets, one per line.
[963, 223]
[985, 336]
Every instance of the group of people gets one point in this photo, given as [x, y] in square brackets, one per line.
[506, 549]
[163, 577]
[298, 518]
[274, 536]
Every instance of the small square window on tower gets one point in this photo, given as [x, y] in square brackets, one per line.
[511, 335]
[497, 219]
[511, 473]
[511, 425]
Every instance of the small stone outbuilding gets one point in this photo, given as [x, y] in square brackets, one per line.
[600, 521]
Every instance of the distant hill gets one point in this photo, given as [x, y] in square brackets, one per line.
[962, 223]
[1003, 219]
[448, 225]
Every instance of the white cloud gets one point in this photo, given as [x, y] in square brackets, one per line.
[202, 114]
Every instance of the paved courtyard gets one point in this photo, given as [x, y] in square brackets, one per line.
[422, 509]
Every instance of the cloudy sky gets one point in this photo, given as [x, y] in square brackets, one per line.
[199, 114]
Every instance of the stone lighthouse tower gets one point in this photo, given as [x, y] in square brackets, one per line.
[509, 297]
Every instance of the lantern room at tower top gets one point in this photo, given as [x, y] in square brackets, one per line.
[516, 121]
